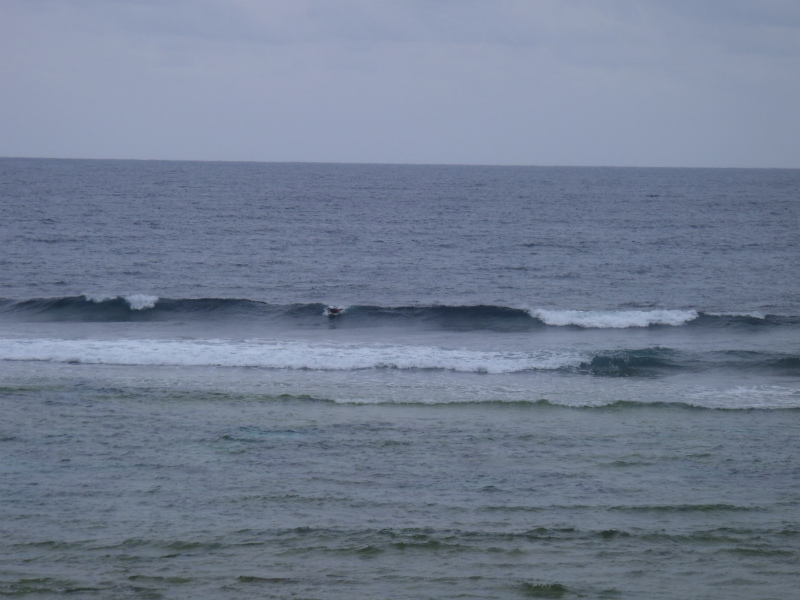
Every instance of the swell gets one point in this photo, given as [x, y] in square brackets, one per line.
[747, 400]
[141, 307]
[658, 360]
[368, 540]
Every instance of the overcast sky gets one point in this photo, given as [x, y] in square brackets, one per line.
[532, 82]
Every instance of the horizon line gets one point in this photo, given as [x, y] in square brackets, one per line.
[389, 164]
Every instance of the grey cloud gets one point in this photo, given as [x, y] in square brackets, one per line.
[763, 26]
[750, 13]
[510, 81]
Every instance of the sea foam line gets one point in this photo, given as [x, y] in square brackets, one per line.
[280, 355]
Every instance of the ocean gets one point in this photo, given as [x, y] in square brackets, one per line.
[540, 382]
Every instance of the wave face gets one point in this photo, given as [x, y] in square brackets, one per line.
[141, 307]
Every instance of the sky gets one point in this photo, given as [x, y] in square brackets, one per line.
[674, 83]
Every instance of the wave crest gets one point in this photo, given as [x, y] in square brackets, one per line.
[134, 301]
[614, 319]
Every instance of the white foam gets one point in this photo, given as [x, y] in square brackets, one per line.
[135, 301]
[141, 301]
[753, 315]
[613, 319]
[280, 355]
[744, 397]
[98, 298]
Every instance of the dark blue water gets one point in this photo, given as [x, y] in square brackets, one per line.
[562, 238]
[541, 382]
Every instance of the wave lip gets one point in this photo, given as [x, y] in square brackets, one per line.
[594, 319]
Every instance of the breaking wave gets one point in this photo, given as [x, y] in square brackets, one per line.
[341, 356]
[143, 307]
[614, 319]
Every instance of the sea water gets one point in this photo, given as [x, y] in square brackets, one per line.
[544, 382]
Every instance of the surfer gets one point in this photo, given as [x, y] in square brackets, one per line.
[332, 311]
